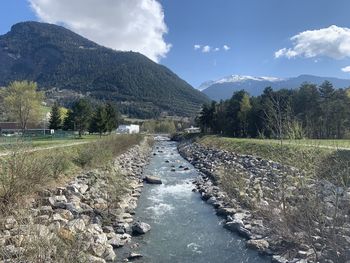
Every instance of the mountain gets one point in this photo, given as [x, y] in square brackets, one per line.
[67, 65]
[225, 87]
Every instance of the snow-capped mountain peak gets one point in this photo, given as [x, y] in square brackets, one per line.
[240, 78]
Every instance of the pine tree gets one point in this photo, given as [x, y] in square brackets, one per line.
[82, 115]
[112, 117]
[68, 123]
[99, 121]
[55, 118]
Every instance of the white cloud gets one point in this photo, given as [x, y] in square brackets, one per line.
[136, 25]
[333, 42]
[206, 49]
[346, 69]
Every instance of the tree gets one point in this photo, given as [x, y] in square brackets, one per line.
[68, 123]
[112, 117]
[233, 107]
[99, 120]
[55, 117]
[327, 94]
[22, 102]
[244, 110]
[278, 112]
[82, 112]
[206, 117]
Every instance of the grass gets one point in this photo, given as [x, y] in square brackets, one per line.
[6, 143]
[23, 172]
[299, 154]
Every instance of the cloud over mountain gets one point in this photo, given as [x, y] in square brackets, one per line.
[333, 42]
[136, 25]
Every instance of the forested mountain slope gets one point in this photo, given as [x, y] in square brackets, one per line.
[55, 57]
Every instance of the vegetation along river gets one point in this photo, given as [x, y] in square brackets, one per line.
[184, 228]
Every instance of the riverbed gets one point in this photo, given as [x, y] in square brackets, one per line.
[184, 227]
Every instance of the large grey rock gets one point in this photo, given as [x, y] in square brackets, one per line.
[76, 225]
[258, 244]
[153, 180]
[93, 259]
[237, 226]
[109, 254]
[58, 201]
[140, 228]
[98, 249]
[278, 259]
[10, 222]
[225, 211]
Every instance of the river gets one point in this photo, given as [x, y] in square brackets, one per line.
[184, 228]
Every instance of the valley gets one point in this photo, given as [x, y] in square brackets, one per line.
[109, 154]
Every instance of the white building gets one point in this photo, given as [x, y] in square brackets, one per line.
[129, 129]
[193, 130]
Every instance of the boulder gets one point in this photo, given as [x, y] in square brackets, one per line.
[140, 228]
[76, 225]
[57, 201]
[237, 226]
[98, 249]
[93, 259]
[10, 223]
[259, 244]
[278, 259]
[153, 180]
[109, 254]
[225, 211]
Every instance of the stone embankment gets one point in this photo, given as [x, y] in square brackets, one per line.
[80, 213]
[246, 191]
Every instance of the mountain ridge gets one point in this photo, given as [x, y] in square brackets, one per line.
[59, 59]
[223, 88]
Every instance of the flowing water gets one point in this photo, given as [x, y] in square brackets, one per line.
[184, 228]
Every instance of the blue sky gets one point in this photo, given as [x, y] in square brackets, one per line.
[253, 29]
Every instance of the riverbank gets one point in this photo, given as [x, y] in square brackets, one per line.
[83, 220]
[279, 209]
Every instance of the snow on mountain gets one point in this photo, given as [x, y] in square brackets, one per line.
[225, 87]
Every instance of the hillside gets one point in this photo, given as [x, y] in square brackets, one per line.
[224, 88]
[67, 65]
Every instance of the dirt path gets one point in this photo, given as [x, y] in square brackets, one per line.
[47, 148]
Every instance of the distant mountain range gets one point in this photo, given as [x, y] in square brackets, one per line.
[67, 65]
[225, 87]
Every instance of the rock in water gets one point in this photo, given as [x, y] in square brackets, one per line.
[134, 256]
[140, 228]
[153, 180]
[259, 244]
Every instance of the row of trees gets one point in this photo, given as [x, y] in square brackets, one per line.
[309, 111]
[85, 117]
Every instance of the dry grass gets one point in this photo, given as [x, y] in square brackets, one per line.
[23, 173]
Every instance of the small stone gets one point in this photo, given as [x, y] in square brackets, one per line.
[133, 256]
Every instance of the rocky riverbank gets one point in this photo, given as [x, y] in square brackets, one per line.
[256, 196]
[82, 221]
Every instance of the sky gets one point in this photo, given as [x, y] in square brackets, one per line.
[204, 40]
